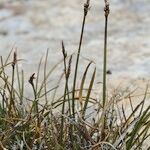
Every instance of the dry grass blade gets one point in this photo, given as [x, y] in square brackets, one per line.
[88, 93]
[42, 84]
[45, 68]
[143, 119]
[20, 83]
[82, 85]
[38, 75]
[127, 122]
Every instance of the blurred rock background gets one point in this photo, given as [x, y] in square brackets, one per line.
[33, 26]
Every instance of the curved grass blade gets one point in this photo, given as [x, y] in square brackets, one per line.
[82, 85]
[88, 93]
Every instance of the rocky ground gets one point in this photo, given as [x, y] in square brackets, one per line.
[33, 26]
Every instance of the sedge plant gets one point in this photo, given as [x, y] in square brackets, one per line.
[46, 120]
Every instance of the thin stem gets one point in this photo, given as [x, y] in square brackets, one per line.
[105, 63]
[86, 8]
[35, 102]
[106, 10]
[12, 83]
[45, 85]
[67, 73]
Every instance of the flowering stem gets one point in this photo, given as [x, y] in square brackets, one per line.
[86, 8]
[106, 10]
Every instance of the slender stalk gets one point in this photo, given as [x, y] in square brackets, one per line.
[67, 73]
[45, 67]
[106, 10]
[35, 103]
[12, 83]
[86, 8]
[5, 78]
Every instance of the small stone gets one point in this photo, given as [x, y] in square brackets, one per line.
[109, 72]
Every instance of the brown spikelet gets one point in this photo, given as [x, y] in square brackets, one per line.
[14, 59]
[69, 67]
[86, 7]
[32, 77]
[63, 50]
[106, 8]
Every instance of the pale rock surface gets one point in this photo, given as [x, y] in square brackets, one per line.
[33, 26]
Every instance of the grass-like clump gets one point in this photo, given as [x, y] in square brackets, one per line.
[67, 123]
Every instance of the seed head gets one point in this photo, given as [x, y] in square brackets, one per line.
[32, 77]
[63, 50]
[14, 59]
[106, 8]
[86, 7]
[69, 67]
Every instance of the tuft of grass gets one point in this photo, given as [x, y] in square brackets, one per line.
[75, 121]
